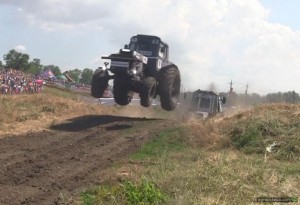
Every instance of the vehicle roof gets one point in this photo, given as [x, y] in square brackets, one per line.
[204, 92]
[149, 36]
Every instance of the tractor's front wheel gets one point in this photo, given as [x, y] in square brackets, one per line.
[169, 87]
[122, 93]
[148, 91]
[99, 82]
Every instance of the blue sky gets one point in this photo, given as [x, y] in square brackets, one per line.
[285, 12]
[255, 42]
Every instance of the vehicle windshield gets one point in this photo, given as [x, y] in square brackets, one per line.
[146, 47]
[204, 103]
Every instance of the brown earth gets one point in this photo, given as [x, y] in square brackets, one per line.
[48, 166]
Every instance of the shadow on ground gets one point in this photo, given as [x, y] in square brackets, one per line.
[118, 127]
[90, 121]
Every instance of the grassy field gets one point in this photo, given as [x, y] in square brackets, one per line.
[21, 113]
[222, 161]
[229, 160]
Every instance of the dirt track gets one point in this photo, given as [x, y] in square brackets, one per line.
[42, 167]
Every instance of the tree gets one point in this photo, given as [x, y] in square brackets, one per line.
[75, 74]
[17, 60]
[86, 76]
[35, 66]
[1, 65]
[286, 97]
[55, 69]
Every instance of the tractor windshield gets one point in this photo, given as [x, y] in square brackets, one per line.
[147, 47]
[205, 103]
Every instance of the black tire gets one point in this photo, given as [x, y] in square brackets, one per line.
[148, 91]
[122, 94]
[169, 87]
[99, 82]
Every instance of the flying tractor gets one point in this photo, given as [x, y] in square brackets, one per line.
[142, 67]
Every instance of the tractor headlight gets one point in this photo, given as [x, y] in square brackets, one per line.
[140, 57]
[136, 67]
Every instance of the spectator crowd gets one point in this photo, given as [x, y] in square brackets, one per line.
[17, 82]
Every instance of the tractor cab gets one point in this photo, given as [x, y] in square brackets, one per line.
[149, 46]
[153, 48]
[206, 103]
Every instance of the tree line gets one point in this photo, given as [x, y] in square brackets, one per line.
[234, 99]
[21, 61]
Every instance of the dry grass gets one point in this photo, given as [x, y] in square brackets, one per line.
[254, 130]
[211, 169]
[207, 134]
[196, 176]
[251, 131]
[208, 167]
[21, 113]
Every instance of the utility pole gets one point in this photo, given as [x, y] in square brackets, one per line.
[246, 94]
[231, 88]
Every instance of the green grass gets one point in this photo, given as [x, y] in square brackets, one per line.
[195, 176]
[142, 193]
[141, 190]
[102, 195]
[253, 135]
[167, 141]
[237, 174]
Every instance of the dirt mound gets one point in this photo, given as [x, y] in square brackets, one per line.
[273, 129]
[54, 145]
[46, 167]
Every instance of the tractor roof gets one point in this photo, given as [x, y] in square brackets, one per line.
[204, 92]
[142, 36]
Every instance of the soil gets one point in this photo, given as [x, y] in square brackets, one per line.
[48, 166]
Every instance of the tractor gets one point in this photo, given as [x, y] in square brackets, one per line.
[205, 104]
[142, 67]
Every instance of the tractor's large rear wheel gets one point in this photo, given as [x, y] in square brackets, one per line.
[148, 91]
[122, 93]
[99, 82]
[169, 87]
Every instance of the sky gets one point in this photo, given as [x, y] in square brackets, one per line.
[251, 42]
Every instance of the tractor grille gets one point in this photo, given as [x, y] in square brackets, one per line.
[119, 67]
[120, 64]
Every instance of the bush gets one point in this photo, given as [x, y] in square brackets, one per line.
[253, 135]
[144, 193]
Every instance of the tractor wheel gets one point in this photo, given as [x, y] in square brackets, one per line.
[169, 87]
[99, 82]
[122, 94]
[148, 91]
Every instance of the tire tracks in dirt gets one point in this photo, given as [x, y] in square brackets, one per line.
[38, 167]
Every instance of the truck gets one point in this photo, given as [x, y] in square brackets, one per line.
[206, 104]
[142, 67]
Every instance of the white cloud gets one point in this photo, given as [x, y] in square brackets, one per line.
[210, 40]
[59, 15]
[20, 48]
[96, 61]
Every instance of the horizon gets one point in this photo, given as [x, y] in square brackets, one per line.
[251, 42]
